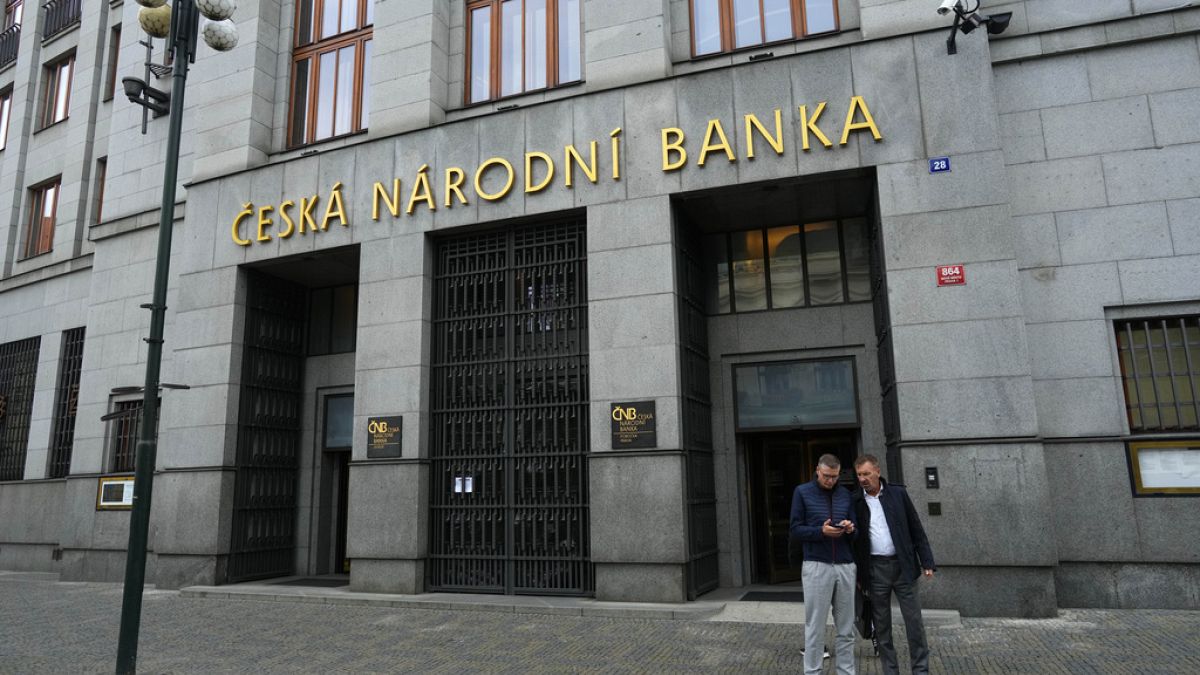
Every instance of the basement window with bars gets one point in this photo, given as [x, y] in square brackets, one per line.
[18, 372]
[66, 402]
[1160, 368]
[124, 424]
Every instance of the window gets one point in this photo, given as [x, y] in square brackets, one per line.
[18, 373]
[1160, 367]
[332, 320]
[821, 263]
[66, 402]
[5, 114]
[332, 53]
[43, 204]
[514, 46]
[12, 13]
[101, 176]
[125, 422]
[726, 25]
[114, 51]
[56, 102]
[796, 394]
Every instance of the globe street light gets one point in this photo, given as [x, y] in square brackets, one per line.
[178, 25]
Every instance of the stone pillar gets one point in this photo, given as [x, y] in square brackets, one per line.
[409, 69]
[387, 530]
[234, 94]
[625, 42]
[962, 365]
[638, 508]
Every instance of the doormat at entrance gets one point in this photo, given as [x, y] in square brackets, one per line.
[322, 583]
[776, 596]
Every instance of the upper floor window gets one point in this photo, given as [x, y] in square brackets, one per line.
[39, 231]
[726, 25]
[331, 55]
[114, 50]
[5, 113]
[56, 102]
[514, 46]
[1160, 368]
[12, 13]
[821, 263]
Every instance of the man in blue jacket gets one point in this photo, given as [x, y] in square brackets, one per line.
[892, 554]
[823, 520]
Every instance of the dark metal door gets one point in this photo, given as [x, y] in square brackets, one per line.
[264, 496]
[508, 457]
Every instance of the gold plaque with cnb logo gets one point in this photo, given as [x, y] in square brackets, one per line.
[383, 436]
[634, 426]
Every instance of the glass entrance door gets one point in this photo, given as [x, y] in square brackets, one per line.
[778, 462]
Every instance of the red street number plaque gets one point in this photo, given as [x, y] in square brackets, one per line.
[951, 275]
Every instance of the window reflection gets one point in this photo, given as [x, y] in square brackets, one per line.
[706, 26]
[796, 394]
[858, 259]
[749, 271]
[824, 263]
[787, 267]
[481, 49]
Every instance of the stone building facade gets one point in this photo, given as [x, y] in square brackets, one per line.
[583, 333]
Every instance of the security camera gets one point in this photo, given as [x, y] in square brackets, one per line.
[947, 6]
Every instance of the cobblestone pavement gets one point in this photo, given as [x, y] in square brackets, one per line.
[72, 628]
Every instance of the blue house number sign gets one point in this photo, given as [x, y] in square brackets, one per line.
[939, 164]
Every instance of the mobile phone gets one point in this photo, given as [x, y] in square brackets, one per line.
[837, 526]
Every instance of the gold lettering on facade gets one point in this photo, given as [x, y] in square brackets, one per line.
[529, 157]
[246, 212]
[454, 181]
[508, 182]
[264, 222]
[858, 104]
[421, 191]
[672, 142]
[809, 125]
[306, 207]
[572, 157]
[714, 126]
[392, 202]
[615, 141]
[291, 224]
[776, 141]
[335, 208]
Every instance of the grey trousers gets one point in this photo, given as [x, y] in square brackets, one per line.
[885, 578]
[825, 585]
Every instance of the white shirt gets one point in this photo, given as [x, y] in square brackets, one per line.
[881, 536]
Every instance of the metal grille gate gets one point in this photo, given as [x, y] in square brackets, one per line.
[264, 501]
[696, 425]
[509, 482]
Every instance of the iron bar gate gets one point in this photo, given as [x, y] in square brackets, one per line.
[264, 492]
[696, 427]
[18, 372]
[509, 482]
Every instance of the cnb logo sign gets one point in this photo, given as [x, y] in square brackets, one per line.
[378, 427]
[623, 414]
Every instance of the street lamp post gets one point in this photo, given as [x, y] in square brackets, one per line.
[220, 34]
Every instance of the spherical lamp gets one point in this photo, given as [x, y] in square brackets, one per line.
[156, 21]
[151, 3]
[220, 35]
[217, 10]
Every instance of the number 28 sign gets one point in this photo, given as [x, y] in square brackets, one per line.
[951, 275]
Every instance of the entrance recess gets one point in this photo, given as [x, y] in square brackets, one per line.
[777, 463]
[509, 430]
[264, 495]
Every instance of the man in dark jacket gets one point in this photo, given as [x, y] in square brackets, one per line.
[892, 553]
[823, 519]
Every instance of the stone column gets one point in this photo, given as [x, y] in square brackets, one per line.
[962, 365]
[638, 510]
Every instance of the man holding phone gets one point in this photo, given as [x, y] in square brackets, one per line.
[823, 520]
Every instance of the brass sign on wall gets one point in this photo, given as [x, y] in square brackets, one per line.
[634, 425]
[383, 436]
